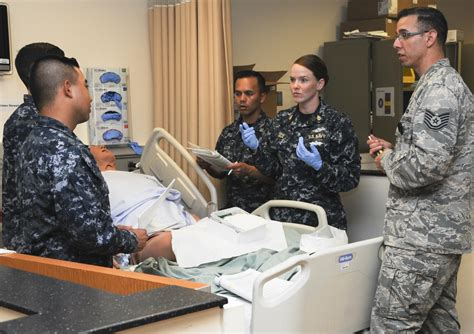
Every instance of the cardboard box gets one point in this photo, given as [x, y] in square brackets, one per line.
[239, 68]
[272, 77]
[371, 9]
[455, 36]
[271, 81]
[384, 24]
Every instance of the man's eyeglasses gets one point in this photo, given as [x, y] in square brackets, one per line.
[403, 35]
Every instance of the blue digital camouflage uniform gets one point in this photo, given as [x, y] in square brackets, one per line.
[65, 210]
[15, 131]
[245, 192]
[335, 138]
[428, 222]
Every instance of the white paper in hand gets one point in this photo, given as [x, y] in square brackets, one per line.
[217, 161]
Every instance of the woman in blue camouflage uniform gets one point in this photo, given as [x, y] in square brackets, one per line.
[312, 149]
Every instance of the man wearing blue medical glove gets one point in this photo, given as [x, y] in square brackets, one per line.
[246, 187]
[248, 136]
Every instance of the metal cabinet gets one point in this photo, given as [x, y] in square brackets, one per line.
[359, 70]
[387, 73]
[367, 82]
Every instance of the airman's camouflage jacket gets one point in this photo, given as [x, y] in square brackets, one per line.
[430, 168]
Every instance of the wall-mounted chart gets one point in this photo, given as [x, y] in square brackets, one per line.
[108, 123]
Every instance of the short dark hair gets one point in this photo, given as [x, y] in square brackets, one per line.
[428, 18]
[29, 54]
[252, 74]
[315, 65]
[47, 75]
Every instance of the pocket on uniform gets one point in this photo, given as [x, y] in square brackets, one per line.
[398, 215]
[405, 293]
[404, 128]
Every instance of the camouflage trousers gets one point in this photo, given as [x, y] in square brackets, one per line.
[416, 292]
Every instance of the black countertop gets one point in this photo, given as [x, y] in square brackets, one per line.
[59, 306]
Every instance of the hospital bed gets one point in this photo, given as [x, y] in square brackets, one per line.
[157, 162]
[332, 294]
[334, 289]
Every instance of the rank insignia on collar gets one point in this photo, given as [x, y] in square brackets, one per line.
[436, 122]
[318, 118]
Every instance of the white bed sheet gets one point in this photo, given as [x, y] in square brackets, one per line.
[209, 241]
[131, 194]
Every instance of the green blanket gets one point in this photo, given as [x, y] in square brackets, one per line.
[260, 260]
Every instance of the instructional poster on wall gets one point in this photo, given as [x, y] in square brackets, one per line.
[6, 110]
[108, 124]
[384, 101]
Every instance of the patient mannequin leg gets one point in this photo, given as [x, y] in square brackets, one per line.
[157, 246]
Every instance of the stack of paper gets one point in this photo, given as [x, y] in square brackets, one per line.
[378, 34]
[249, 227]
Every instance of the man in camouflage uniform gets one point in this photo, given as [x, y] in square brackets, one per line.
[15, 131]
[65, 211]
[427, 223]
[246, 187]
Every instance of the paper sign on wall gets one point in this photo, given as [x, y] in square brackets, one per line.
[384, 101]
[6, 110]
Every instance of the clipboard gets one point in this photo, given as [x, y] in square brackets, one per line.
[218, 161]
[147, 217]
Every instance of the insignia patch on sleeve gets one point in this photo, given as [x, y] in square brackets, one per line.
[436, 122]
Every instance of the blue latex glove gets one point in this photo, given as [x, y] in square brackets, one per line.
[312, 158]
[136, 147]
[248, 136]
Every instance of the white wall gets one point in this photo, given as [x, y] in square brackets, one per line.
[97, 33]
[274, 33]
